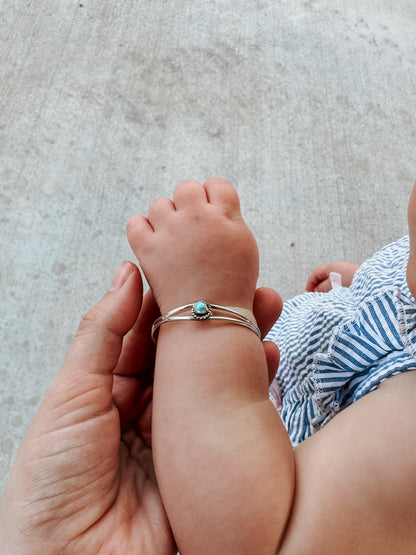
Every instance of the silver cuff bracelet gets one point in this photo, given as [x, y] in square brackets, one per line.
[203, 311]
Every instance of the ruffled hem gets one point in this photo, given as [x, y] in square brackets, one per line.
[377, 343]
[383, 329]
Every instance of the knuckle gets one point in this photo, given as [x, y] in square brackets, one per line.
[187, 184]
[89, 322]
[217, 181]
[158, 205]
[133, 224]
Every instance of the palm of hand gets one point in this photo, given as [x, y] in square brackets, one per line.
[83, 481]
[84, 473]
[120, 507]
[126, 514]
[116, 506]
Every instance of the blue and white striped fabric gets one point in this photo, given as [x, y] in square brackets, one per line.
[336, 347]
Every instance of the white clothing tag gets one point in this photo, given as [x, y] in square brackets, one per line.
[335, 279]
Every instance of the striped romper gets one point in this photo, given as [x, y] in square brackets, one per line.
[336, 347]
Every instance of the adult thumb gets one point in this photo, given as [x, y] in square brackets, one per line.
[95, 351]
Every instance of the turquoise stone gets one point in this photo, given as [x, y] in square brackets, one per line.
[200, 307]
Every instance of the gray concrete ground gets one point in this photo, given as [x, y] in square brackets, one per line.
[307, 107]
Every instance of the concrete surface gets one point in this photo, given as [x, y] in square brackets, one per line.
[307, 107]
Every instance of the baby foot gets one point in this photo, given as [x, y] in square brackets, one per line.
[197, 247]
[320, 278]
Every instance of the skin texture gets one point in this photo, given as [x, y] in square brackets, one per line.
[319, 282]
[83, 480]
[356, 478]
[219, 445]
[228, 477]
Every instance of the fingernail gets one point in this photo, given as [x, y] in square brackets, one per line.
[121, 276]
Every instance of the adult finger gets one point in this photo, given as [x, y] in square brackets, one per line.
[267, 307]
[95, 351]
[137, 357]
[272, 353]
[133, 375]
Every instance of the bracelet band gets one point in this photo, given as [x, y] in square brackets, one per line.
[203, 311]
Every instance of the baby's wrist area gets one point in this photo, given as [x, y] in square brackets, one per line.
[239, 303]
[246, 312]
[232, 293]
[224, 358]
[207, 313]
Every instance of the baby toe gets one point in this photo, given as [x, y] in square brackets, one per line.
[222, 193]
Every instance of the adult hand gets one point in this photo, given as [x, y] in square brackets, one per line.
[83, 480]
